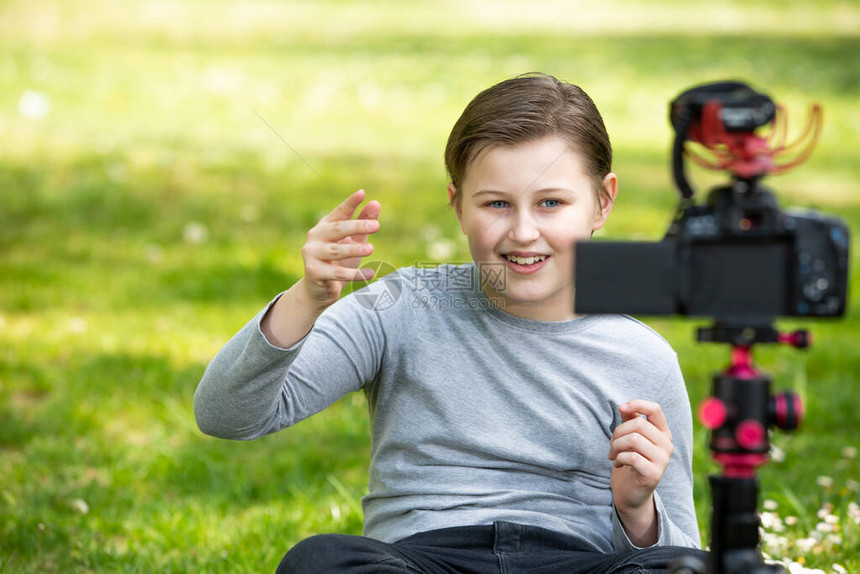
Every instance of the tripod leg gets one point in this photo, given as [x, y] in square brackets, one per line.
[735, 527]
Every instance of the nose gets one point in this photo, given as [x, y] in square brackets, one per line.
[523, 228]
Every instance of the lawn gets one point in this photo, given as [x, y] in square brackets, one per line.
[161, 162]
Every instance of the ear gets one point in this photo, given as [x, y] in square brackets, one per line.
[610, 185]
[456, 203]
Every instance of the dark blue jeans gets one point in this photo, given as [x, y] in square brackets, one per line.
[503, 548]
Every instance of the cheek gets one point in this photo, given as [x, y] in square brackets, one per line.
[482, 231]
[479, 244]
[564, 234]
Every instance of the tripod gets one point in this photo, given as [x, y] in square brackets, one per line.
[738, 414]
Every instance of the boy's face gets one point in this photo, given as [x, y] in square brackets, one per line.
[522, 207]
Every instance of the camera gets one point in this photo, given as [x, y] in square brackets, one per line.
[736, 257]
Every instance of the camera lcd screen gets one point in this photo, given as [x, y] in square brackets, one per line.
[626, 277]
[745, 279]
[727, 280]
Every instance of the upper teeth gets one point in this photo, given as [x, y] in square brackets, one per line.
[525, 260]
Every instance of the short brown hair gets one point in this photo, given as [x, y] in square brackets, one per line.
[526, 108]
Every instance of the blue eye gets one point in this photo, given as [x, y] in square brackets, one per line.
[498, 204]
[551, 203]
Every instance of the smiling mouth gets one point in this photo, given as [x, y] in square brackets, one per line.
[530, 260]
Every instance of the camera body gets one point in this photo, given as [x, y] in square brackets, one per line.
[737, 257]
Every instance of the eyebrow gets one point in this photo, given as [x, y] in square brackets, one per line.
[499, 192]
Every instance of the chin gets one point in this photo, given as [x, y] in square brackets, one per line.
[530, 298]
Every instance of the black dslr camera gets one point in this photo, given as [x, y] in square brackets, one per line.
[738, 257]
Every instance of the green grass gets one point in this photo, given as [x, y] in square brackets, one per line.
[152, 212]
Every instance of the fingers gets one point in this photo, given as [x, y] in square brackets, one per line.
[347, 208]
[647, 437]
[335, 247]
[650, 409]
[647, 472]
[640, 450]
[328, 251]
[643, 426]
[358, 229]
[639, 460]
[337, 236]
[339, 224]
[371, 210]
[657, 450]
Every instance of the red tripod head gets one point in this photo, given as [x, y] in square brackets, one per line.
[742, 407]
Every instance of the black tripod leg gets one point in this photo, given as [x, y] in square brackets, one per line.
[735, 527]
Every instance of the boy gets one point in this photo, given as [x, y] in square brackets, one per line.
[509, 434]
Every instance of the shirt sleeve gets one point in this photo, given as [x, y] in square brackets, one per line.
[676, 519]
[252, 388]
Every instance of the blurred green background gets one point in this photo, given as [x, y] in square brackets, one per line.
[148, 209]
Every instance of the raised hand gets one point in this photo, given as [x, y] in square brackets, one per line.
[335, 247]
[331, 255]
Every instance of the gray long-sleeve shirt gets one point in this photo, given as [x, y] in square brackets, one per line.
[477, 415]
